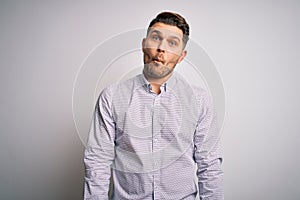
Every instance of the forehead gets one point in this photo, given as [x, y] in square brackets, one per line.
[166, 30]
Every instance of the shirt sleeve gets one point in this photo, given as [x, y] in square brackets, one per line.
[99, 152]
[208, 151]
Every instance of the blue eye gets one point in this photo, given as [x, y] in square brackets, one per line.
[155, 37]
[173, 43]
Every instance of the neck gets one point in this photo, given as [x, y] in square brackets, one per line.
[157, 82]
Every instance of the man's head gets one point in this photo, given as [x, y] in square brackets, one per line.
[164, 45]
[172, 19]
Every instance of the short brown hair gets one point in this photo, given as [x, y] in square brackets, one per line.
[173, 19]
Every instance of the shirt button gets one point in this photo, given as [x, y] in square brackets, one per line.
[155, 140]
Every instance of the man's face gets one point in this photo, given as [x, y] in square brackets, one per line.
[163, 49]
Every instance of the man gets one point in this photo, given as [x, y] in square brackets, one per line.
[151, 130]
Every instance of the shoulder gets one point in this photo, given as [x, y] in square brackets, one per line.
[120, 87]
[195, 90]
[200, 93]
[198, 96]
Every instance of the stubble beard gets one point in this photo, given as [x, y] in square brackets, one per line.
[156, 71]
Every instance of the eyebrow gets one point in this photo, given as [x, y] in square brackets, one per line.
[155, 31]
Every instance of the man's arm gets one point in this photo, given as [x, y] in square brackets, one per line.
[208, 152]
[99, 152]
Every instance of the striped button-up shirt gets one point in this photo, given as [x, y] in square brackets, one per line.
[155, 146]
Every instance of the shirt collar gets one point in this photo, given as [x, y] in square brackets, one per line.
[170, 83]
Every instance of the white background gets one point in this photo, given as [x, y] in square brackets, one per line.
[254, 45]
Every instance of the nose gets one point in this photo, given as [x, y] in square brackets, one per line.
[162, 47]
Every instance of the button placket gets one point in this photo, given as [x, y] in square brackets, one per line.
[155, 144]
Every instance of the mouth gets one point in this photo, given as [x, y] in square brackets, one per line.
[158, 61]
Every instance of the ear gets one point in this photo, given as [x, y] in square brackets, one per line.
[143, 44]
[183, 54]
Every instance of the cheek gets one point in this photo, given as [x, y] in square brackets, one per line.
[150, 44]
[173, 59]
[149, 52]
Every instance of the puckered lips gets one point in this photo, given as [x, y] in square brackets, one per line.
[158, 60]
